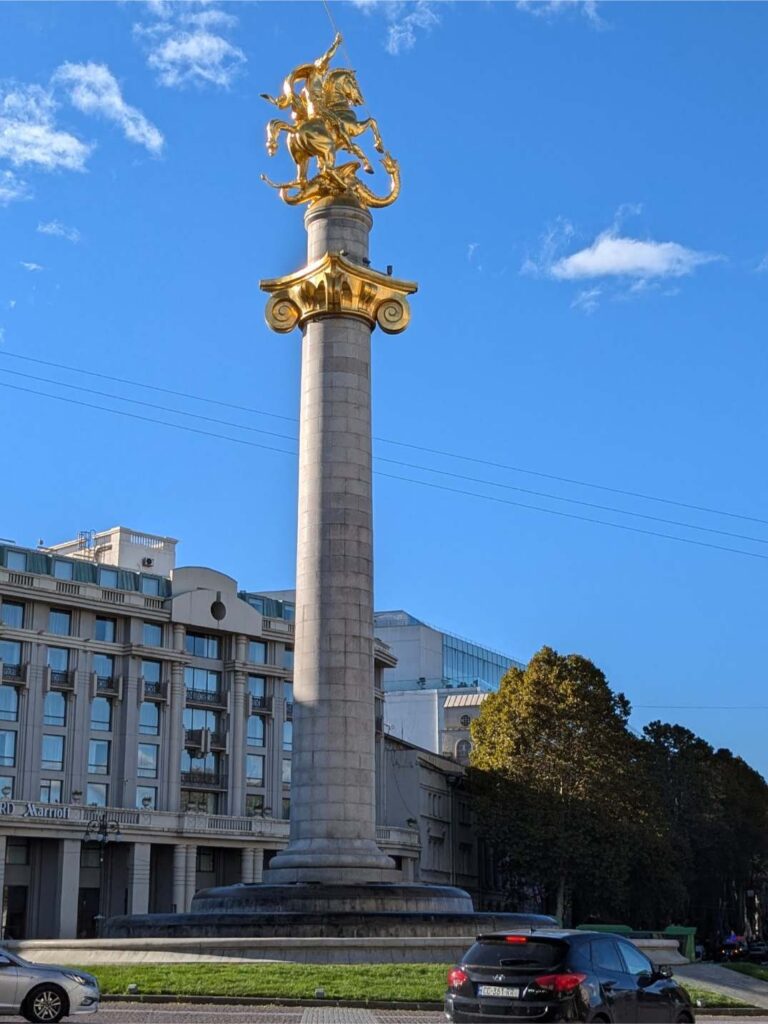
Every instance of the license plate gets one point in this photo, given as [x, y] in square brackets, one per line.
[502, 991]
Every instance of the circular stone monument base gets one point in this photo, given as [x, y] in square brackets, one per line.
[308, 898]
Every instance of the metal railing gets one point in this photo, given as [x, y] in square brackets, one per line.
[106, 684]
[62, 680]
[153, 688]
[289, 709]
[260, 704]
[211, 779]
[205, 697]
[13, 673]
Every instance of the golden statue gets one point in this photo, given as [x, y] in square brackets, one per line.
[324, 124]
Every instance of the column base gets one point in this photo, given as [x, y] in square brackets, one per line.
[331, 861]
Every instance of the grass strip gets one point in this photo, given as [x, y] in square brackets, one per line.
[706, 997]
[753, 970]
[393, 982]
[411, 982]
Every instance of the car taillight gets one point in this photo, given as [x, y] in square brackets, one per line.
[516, 939]
[560, 984]
[457, 977]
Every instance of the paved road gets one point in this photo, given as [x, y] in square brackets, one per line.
[138, 1013]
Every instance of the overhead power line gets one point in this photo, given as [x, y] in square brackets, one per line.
[394, 462]
[392, 476]
[402, 444]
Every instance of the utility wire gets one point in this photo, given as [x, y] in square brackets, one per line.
[393, 476]
[396, 462]
[401, 444]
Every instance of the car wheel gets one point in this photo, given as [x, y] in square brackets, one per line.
[46, 1004]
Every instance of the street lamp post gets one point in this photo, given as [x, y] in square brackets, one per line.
[101, 830]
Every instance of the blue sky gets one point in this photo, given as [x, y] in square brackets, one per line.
[584, 208]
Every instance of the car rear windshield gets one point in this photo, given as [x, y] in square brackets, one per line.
[493, 953]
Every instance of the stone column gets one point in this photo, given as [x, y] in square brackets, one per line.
[69, 887]
[333, 826]
[176, 706]
[236, 744]
[258, 864]
[191, 879]
[3, 845]
[246, 871]
[180, 878]
[138, 878]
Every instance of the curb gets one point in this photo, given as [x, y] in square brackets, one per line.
[370, 1004]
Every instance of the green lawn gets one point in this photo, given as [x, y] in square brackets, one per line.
[406, 982]
[705, 997]
[753, 970]
[411, 982]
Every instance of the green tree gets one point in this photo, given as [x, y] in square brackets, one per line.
[558, 780]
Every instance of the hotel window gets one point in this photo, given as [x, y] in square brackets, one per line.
[286, 775]
[256, 731]
[147, 764]
[97, 794]
[148, 794]
[10, 652]
[150, 585]
[286, 808]
[254, 805]
[7, 748]
[105, 630]
[257, 652]
[104, 666]
[203, 646]
[17, 851]
[288, 657]
[204, 859]
[202, 679]
[150, 671]
[16, 560]
[58, 659]
[53, 753]
[12, 614]
[101, 715]
[207, 763]
[98, 757]
[55, 709]
[254, 769]
[50, 791]
[256, 686]
[287, 735]
[199, 801]
[6, 786]
[149, 718]
[62, 570]
[9, 704]
[59, 622]
[288, 692]
[152, 635]
[200, 718]
[108, 578]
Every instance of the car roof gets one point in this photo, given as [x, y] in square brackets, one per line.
[535, 933]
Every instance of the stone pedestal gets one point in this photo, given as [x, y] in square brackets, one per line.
[333, 815]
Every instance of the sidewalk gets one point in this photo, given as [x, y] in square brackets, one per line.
[730, 983]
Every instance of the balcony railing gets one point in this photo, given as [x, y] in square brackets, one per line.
[153, 688]
[260, 704]
[211, 779]
[205, 697]
[62, 679]
[193, 738]
[106, 684]
[218, 740]
[14, 673]
[289, 709]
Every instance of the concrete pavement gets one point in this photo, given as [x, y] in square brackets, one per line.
[730, 983]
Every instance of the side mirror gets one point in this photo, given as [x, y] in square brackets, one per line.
[664, 971]
[646, 978]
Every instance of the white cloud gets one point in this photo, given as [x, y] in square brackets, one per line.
[28, 134]
[32, 267]
[93, 89]
[12, 188]
[551, 8]
[11, 303]
[587, 300]
[471, 250]
[762, 266]
[187, 47]
[552, 242]
[610, 255]
[404, 20]
[55, 227]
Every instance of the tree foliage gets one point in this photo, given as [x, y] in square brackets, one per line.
[590, 821]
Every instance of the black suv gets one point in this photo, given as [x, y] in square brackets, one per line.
[551, 975]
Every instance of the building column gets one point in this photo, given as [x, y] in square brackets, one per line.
[3, 844]
[258, 864]
[179, 877]
[237, 743]
[246, 872]
[176, 704]
[191, 885]
[138, 878]
[69, 887]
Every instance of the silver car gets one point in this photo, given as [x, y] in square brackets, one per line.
[44, 992]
